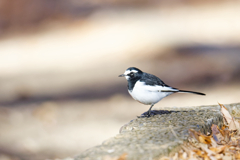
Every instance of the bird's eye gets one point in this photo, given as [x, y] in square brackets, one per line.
[131, 74]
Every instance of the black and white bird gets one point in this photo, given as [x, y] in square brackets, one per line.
[147, 88]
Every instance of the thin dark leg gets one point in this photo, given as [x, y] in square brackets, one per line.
[149, 111]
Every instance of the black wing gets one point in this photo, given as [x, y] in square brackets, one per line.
[152, 80]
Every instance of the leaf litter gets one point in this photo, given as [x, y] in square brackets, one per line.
[222, 144]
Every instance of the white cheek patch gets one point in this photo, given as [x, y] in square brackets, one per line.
[127, 77]
[128, 71]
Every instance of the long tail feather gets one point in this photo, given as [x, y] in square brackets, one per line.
[199, 93]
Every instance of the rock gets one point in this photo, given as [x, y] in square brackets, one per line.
[159, 135]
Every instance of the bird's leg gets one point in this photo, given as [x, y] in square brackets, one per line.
[149, 111]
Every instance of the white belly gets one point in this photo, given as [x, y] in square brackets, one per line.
[148, 94]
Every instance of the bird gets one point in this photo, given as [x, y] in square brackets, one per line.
[148, 89]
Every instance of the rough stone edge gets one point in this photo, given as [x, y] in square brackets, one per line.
[233, 108]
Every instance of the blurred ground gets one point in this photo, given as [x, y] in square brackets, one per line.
[59, 62]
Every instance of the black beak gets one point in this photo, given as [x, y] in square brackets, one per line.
[122, 75]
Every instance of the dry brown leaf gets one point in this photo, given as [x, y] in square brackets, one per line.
[218, 139]
[204, 147]
[227, 136]
[199, 153]
[225, 113]
[214, 129]
[227, 157]
[219, 149]
[220, 136]
[206, 157]
[221, 131]
[216, 134]
[205, 139]
[233, 125]
[223, 127]
[192, 156]
[199, 136]
[214, 143]
[194, 134]
[218, 156]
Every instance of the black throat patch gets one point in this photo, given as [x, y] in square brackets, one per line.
[131, 83]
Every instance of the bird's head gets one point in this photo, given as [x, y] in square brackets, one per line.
[132, 73]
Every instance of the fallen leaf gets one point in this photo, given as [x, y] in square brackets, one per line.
[219, 149]
[225, 113]
[205, 139]
[218, 156]
[227, 135]
[216, 134]
[204, 147]
[214, 143]
[205, 157]
[199, 136]
[233, 125]
[223, 127]
[193, 134]
[221, 130]
[215, 129]
[192, 155]
[227, 157]
[199, 153]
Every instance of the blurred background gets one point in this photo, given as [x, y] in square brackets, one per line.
[60, 59]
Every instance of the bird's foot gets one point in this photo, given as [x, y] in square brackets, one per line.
[154, 112]
[146, 115]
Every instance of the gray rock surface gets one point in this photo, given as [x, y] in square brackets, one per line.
[159, 135]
